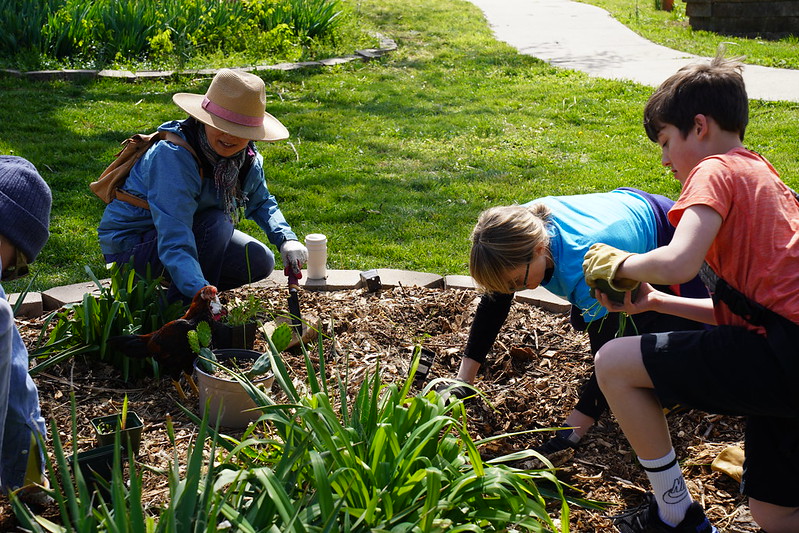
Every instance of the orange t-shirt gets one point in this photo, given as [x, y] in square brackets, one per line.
[757, 247]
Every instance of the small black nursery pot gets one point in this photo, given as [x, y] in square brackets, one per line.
[105, 428]
[96, 466]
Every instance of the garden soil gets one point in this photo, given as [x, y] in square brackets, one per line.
[532, 381]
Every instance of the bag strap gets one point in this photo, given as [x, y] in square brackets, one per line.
[782, 334]
[175, 139]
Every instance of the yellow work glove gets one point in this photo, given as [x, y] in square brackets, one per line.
[730, 461]
[600, 265]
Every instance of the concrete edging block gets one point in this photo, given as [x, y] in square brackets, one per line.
[390, 277]
[31, 306]
[454, 281]
[68, 294]
[544, 299]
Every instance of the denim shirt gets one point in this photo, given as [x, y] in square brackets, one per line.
[167, 176]
[20, 415]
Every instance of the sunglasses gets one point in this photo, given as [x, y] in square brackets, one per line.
[523, 286]
[18, 269]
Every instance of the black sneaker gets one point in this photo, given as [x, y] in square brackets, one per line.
[554, 445]
[558, 450]
[645, 519]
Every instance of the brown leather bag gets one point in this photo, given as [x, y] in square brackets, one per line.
[108, 186]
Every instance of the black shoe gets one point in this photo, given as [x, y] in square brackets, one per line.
[558, 450]
[554, 445]
[645, 519]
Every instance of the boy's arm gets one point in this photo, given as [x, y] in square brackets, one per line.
[649, 299]
[681, 259]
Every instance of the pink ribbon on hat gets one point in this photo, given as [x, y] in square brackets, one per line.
[229, 115]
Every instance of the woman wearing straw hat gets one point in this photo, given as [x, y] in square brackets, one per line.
[194, 199]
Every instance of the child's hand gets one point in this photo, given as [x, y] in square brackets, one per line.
[646, 300]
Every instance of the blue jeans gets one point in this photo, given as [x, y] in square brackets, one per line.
[20, 416]
[228, 257]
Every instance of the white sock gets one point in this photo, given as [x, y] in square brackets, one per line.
[668, 485]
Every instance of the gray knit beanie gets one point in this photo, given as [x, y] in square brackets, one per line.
[25, 202]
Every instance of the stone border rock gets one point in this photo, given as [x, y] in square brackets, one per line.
[36, 304]
[366, 54]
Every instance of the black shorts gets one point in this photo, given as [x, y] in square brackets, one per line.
[733, 371]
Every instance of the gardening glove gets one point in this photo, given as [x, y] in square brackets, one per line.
[294, 255]
[730, 461]
[600, 265]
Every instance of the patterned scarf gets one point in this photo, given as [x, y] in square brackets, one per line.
[226, 173]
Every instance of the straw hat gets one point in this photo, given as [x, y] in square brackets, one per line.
[234, 103]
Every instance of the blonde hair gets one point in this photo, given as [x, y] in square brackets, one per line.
[504, 238]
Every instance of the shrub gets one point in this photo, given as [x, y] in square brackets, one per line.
[170, 32]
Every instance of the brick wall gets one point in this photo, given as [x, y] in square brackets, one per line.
[765, 18]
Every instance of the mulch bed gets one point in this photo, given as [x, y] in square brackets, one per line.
[532, 381]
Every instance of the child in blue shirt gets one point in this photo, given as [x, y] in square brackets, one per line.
[543, 243]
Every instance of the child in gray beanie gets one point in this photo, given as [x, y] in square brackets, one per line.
[25, 202]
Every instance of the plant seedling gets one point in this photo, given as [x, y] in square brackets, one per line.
[243, 311]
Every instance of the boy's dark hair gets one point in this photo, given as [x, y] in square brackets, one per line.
[716, 90]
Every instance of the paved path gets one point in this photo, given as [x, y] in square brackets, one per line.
[586, 38]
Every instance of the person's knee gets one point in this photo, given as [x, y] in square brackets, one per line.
[604, 362]
[614, 360]
[260, 260]
[774, 518]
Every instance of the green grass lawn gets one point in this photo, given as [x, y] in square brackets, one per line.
[671, 29]
[391, 159]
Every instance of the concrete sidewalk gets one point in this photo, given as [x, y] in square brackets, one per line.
[583, 37]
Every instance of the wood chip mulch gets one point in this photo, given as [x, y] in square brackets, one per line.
[532, 381]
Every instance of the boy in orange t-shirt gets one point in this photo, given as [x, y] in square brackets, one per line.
[735, 216]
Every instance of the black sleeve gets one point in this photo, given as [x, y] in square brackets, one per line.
[492, 311]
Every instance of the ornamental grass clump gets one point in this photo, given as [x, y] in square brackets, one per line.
[131, 304]
[384, 460]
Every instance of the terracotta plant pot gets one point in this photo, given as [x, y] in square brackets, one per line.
[105, 428]
[227, 396]
[241, 336]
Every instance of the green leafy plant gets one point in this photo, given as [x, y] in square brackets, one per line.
[122, 420]
[193, 496]
[111, 31]
[242, 311]
[382, 461]
[132, 304]
[281, 338]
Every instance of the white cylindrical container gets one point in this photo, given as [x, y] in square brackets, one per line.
[317, 255]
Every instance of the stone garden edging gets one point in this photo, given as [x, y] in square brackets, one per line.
[385, 45]
[38, 303]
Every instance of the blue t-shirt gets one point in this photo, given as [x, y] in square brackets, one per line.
[620, 218]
